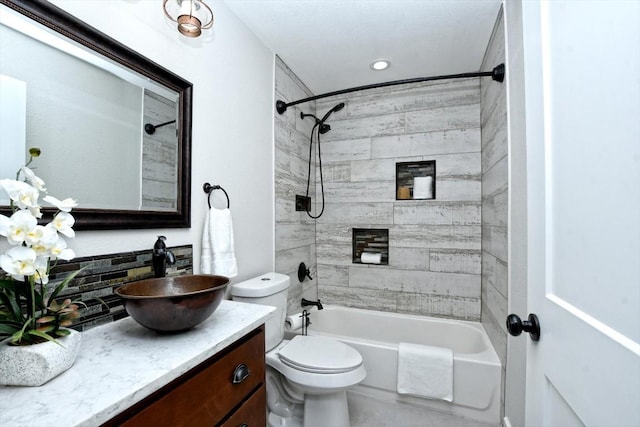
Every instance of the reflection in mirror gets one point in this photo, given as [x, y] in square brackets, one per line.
[87, 113]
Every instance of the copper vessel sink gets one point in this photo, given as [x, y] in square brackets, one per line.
[172, 304]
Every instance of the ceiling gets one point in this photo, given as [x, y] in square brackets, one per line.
[330, 44]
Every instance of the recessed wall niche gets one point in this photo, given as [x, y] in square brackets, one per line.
[371, 246]
[416, 180]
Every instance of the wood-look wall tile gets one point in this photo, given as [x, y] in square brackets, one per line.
[357, 213]
[409, 258]
[437, 213]
[358, 298]
[359, 192]
[426, 143]
[436, 236]
[414, 281]
[366, 127]
[462, 188]
[336, 172]
[455, 261]
[335, 254]
[373, 170]
[446, 118]
[289, 236]
[346, 150]
[333, 275]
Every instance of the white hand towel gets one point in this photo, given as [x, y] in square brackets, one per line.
[425, 371]
[218, 255]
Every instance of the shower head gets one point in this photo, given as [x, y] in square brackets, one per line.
[338, 107]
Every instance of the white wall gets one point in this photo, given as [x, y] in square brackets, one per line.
[232, 76]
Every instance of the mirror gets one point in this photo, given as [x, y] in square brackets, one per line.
[85, 100]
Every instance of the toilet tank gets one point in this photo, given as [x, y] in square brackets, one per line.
[268, 289]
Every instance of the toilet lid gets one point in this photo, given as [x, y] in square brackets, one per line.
[319, 355]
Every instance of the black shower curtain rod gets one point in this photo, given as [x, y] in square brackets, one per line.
[496, 74]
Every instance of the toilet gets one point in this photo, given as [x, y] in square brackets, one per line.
[306, 377]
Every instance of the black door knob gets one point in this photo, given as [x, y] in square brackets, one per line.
[515, 326]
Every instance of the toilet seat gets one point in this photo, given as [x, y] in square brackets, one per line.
[320, 355]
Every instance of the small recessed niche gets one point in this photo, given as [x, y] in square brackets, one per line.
[371, 246]
[416, 180]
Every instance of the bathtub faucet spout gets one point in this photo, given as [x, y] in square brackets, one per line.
[306, 303]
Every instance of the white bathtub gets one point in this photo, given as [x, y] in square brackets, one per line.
[375, 334]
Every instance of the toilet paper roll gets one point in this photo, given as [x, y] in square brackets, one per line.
[371, 258]
[293, 322]
[422, 187]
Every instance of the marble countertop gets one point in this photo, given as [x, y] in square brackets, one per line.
[121, 363]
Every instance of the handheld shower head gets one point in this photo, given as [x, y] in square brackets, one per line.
[335, 109]
[322, 127]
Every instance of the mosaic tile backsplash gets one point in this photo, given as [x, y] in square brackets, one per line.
[102, 274]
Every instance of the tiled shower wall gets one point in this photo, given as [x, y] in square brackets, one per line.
[434, 245]
[295, 231]
[159, 155]
[495, 180]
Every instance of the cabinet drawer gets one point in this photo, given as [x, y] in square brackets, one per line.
[205, 395]
[252, 413]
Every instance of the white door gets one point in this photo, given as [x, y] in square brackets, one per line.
[582, 74]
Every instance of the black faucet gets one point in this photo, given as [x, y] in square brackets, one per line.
[161, 257]
[306, 302]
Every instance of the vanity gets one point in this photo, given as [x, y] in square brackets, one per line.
[126, 375]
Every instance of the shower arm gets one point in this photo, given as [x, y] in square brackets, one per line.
[150, 129]
[496, 74]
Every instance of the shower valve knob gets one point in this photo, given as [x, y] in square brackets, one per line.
[303, 272]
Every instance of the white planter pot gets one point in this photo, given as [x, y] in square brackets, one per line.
[34, 365]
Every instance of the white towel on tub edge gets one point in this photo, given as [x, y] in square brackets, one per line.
[425, 371]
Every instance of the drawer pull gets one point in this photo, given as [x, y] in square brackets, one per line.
[240, 373]
[244, 425]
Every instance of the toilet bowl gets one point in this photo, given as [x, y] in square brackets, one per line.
[307, 376]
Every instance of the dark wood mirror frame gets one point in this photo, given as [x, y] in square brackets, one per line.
[69, 26]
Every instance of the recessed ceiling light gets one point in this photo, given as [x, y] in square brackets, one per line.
[380, 64]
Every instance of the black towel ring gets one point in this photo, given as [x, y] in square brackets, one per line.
[208, 188]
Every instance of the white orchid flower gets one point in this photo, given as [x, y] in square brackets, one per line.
[19, 261]
[5, 223]
[37, 182]
[24, 195]
[62, 223]
[18, 227]
[42, 239]
[64, 205]
[42, 269]
[60, 250]
[35, 211]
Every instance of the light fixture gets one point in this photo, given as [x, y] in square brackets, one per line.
[192, 16]
[380, 64]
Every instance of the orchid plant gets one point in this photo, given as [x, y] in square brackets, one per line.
[29, 311]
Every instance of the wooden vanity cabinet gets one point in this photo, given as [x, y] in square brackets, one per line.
[226, 390]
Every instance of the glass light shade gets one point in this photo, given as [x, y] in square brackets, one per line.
[192, 16]
[380, 64]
